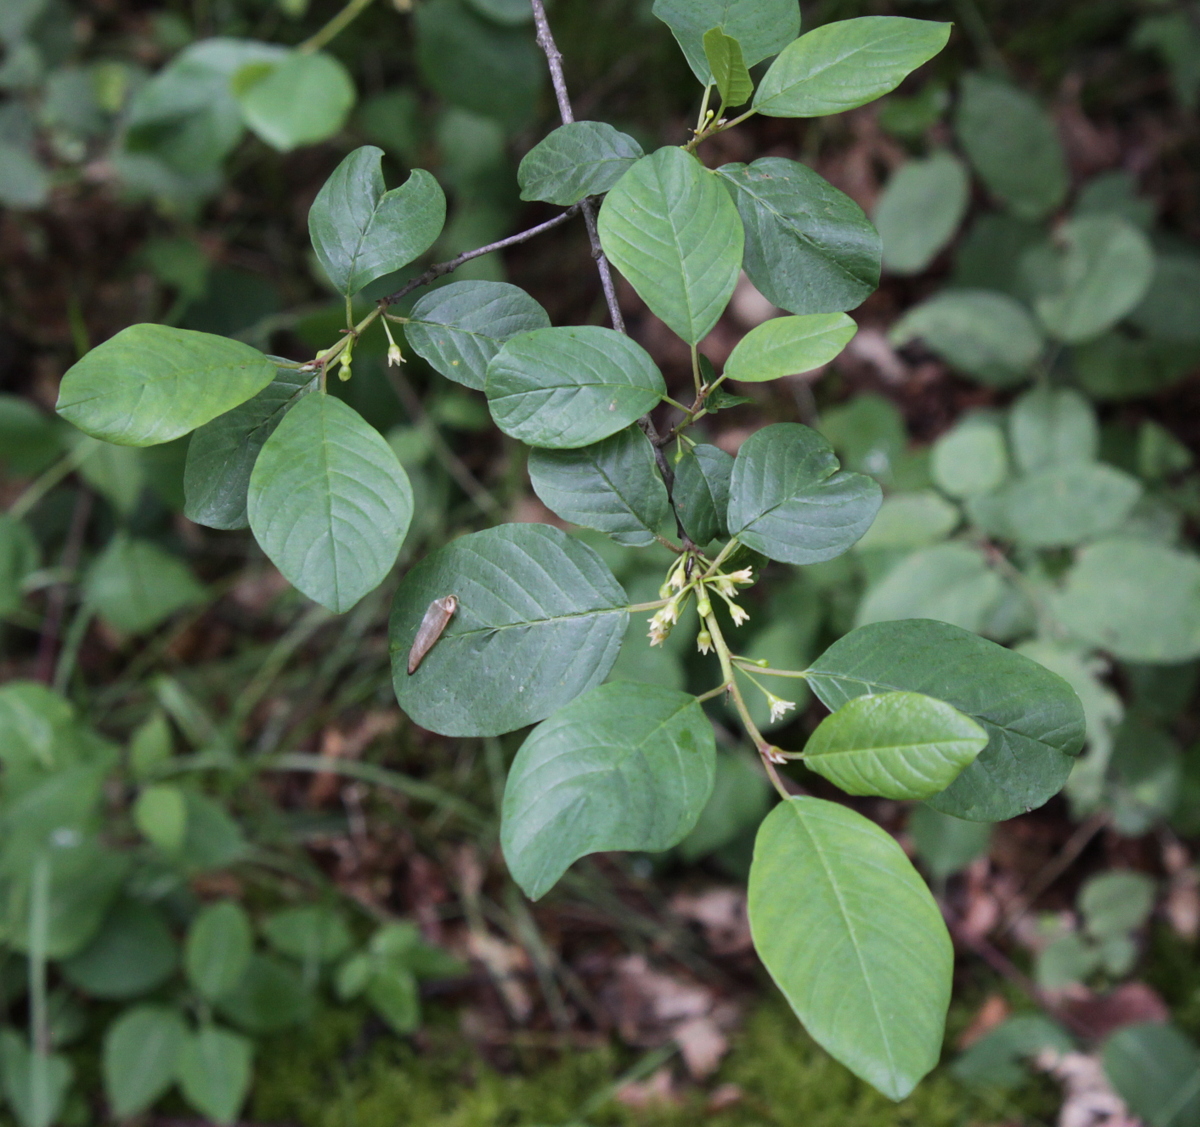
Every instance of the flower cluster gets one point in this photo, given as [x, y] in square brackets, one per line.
[679, 587]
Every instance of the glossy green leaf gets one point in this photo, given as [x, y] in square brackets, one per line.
[214, 1073]
[563, 388]
[152, 383]
[305, 99]
[1033, 718]
[135, 585]
[990, 336]
[217, 950]
[787, 346]
[360, 231]
[626, 766]
[141, 1052]
[851, 935]
[788, 500]
[894, 745]
[673, 232]
[920, 210]
[133, 953]
[1136, 599]
[1154, 1068]
[701, 491]
[728, 66]
[809, 247]
[1013, 144]
[329, 503]
[582, 158]
[36, 1088]
[613, 486]
[845, 64]
[1103, 272]
[946, 845]
[221, 454]
[1053, 427]
[308, 934]
[540, 620]
[761, 27]
[460, 327]
[971, 458]
[947, 583]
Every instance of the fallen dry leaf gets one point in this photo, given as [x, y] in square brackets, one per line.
[1089, 1098]
[702, 1045]
[993, 1011]
[658, 1089]
[1129, 1004]
[721, 914]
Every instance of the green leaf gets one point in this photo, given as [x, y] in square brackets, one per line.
[268, 997]
[1033, 718]
[563, 388]
[1138, 600]
[788, 501]
[990, 336]
[948, 583]
[809, 247]
[728, 66]
[30, 440]
[613, 486]
[160, 814]
[218, 948]
[1102, 273]
[214, 1073]
[1116, 902]
[221, 454]
[361, 232]
[740, 799]
[24, 182]
[845, 64]
[133, 953]
[460, 327]
[894, 745]
[19, 555]
[117, 473]
[393, 995]
[141, 1052]
[761, 27]
[305, 99]
[946, 845]
[674, 233]
[701, 492]
[582, 158]
[852, 937]
[1154, 1068]
[626, 766]
[911, 520]
[1013, 144]
[135, 585]
[920, 210]
[507, 12]
[308, 934]
[36, 1086]
[152, 383]
[972, 458]
[787, 346]
[213, 839]
[540, 620]
[1167, 312]
[329, 503]
[1053, 427]
[869, 434]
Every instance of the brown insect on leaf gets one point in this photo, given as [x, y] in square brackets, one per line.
[436, 619]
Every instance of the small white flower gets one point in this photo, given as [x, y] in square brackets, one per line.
[660, 625]
[395, 359]
[774, 755]
[739, 615]
[779, 706]
[744, 577]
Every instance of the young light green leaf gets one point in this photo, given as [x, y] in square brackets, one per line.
[562, 388]
[218, 948]
[788, 346]
[582, 158]
[305, 99]
[221, 454]
[809, 247]
[214, 1073]
[788, 500]
[920, 210]
[135, 585]
[1104, 271]
[971, 458]
[1053, 427]
[540, 620]
[361, 232]
[133, 953]
[701, 492]
[853, 938]
[728, 66]
[141, 1052]
[1033, 718]
[1013, 144]
[36, 1087]
[761, 27]
[674, 233]
[329, 503]
[990, 336]
[613, 486]
[845, 64]
[152, 383]
[894, 745]
[626, 766]
[1138, 600]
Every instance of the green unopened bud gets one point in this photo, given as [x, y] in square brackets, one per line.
[704, 642]
[702, 604]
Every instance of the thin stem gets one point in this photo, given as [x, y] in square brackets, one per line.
[724, 554]
[696, 377]
[767, 671]
[51, 477]
[334, 27]
[39, 1018]
[980, 35]
[637, 608]
[723, 687]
